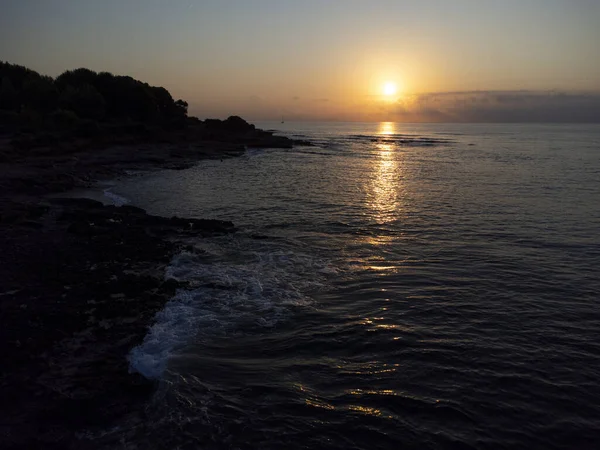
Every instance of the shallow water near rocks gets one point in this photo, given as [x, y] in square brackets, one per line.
[392, 286]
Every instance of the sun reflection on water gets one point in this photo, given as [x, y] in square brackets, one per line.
[365, 410]
[387, 128]
[385, 184]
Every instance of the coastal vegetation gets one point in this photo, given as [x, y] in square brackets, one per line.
[81, 109]
[63, 132]
[38, 101]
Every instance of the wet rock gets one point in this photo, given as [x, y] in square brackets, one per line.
[78, 293]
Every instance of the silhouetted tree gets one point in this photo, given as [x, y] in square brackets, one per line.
[163, 100]
[89, 95]
[9, 98]
[16, 74]
[76, 78]
[85, 101]
[182, 107]
[64, 118]
[40, 94]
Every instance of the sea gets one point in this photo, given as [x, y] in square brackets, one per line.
[389, 286]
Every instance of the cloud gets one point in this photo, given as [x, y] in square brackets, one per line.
[254, 99]
[468, 106]
[499, 106]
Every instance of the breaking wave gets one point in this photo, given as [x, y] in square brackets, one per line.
[117, 200]
[248, 294]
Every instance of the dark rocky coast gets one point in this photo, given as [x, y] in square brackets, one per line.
[81, 282]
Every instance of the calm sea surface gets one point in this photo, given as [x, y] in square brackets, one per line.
[393, 286]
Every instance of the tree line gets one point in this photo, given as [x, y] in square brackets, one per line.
[85, 94]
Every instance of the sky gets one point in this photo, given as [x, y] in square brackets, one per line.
[460, 60]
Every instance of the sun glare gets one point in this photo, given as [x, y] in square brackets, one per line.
[390, 88]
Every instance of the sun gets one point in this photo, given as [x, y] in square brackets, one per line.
[390, 88]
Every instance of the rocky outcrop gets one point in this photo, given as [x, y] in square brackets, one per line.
[42, 163]
[233, 124]
[81, 285]
[81, 282]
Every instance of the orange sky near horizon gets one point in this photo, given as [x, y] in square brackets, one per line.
[318, 60]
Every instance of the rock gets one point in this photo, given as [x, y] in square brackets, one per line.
[233, 124]
[70, 327]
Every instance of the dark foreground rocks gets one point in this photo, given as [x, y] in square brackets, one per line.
[81, 283]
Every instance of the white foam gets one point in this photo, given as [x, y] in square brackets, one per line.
[254, 290]
[174, 326]
[252, 152]
[116, 199]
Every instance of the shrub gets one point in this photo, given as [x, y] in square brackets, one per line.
[39, 93]
[85, 101]
[9, 97]
[64, 118]
[88, 128]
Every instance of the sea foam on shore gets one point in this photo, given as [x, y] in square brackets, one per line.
[117, 200]
[247, 292]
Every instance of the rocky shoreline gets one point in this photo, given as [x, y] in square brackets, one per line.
[41, 164]
[81, 285]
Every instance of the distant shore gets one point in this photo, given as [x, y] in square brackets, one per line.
[83, 281]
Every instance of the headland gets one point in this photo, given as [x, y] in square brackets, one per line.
[82, 281]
